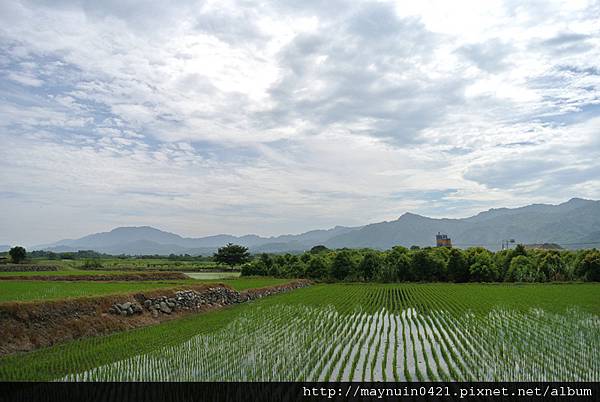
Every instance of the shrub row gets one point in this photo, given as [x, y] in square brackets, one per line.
[442, 264]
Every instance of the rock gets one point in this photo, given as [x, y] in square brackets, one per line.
[164, 308]
[190, 299]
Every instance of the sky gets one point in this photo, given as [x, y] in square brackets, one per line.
[274, 117]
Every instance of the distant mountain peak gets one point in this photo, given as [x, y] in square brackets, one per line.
[577, 200]
[411, 216]
[134, 228]
[571, 223]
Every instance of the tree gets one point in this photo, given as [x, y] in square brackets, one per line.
[296, 270]
[266, 260]
[386, 274]
[521, 270]
[256, 267]
[342, 265]
[502, 260]
[426, 267]
[305, 258]
[397, 266]
[482, 267]
[590, 266]
[552, 267]
[17, 254]
[369, 265]
[232, 254]
[317, 268]
[458, 268]
[92, 263]
[519, 250]
[318, 249]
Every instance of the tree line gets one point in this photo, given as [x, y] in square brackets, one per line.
[431, 264]
[87, 254]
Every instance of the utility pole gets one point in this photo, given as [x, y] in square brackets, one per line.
[506, 243]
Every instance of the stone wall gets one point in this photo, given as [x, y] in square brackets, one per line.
[181, 300]
[184, 300]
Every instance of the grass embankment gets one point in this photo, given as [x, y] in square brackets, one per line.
[62, 272]
[368, 332]
[55, 290]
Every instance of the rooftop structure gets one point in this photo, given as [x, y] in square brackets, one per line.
[442, 240]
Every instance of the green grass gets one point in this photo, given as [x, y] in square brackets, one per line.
[460, 332]
[555, 297]
[152, 262]
[62, 272]
[52, 290]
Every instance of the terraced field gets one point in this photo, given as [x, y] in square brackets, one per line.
[353, 332]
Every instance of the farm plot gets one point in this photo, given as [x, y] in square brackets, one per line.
[55, 290]
[377, 333]
[400, 335]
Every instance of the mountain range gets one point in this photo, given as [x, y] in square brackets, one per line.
[573, 224]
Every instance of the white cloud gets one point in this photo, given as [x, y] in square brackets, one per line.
[204, 117]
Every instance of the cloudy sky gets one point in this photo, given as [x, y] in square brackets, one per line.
[203, 117]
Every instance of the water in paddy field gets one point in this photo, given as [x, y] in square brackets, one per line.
[284, 342]
[212, 275]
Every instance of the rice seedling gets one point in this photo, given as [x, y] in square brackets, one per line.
[351, 332]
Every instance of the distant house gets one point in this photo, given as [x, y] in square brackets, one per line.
[543, 246]
[442, 240]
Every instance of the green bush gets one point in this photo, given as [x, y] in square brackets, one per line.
[590, 266]
[400, 264]
[482, 267]
[92, 264]
[521, 269]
